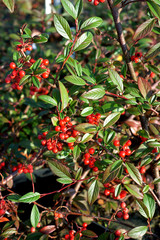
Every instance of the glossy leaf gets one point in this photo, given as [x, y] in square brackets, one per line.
[59, 169]
[144, 29]
[86, 128]
[64, 180]
[109, 175]
[87, 111]
[29, 197]
[96, 93]
[150, 204]
[153, 52]
[64, 95]
[78, 7]
[75, 80]
[111, 119]
[143, 209]
[62, 27]
[48, 99]
[134, 173]
[35, 216]
[24, 80]
[76, 152]
[9, 4]
[83, 41]
[35, 81]
[68, 6]
[48, 229]
[116, 79]
[92, 22]
[89, 233]
[87, 137]
[134, 190]
[93, 192]
[137, 232]
[155, 8]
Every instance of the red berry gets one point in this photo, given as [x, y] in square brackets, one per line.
[87, 155]
[29, 48]
[43, 142]
[20, 170]
[71, 232]
[122, 154]
[125, 210]
[2, 212]
[91, 150]
[98, 115]
[67, 236]
[107, 192]
[70, 144]
[118, 233]
[152, 74]
[138, 54]
[100, 140]
[19, 87]
[96, 2]
[12, 65]
[32, 229]
[128, 152]
[38, 225]
[95, 169]
[55, 150]
[84, 225]
[45, 133]
[125, 216]
[14, 169]
[142, 170]
[75, 133]
[119, 215]
[2, 164]
[128, 143]
[45, 75]
[25, 170]
[136, 60]
[45, 62]
[112, 189]
[116, 143]
[67, 119]
[86, 161]
[123, 204]
[123, 194]
[62, 136]
[57, 128]
[132, 58]
[62, 123]
[63, 128]
[106, 185]
[22, 73]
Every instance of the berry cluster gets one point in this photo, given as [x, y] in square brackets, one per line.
[88, 160]
[32, 229]
[125, 151]
[124, 212]
[24, 46]
[66, 130]
[71, 235]
[110, 191]
[41, 90]
[23, 169]
[117, 234]
[58, 215]
[18, 73]
[2, 207]
[135, 58]
[96, 2]
[2, 164]
[94, 118]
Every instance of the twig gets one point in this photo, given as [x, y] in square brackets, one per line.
[121, 39]
[155, 197]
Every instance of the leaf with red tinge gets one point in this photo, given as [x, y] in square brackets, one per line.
[48, 229]
[4, 219]
[144, 29]
[144, 86]
[89, 233]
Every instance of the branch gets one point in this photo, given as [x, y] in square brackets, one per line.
[121, 39]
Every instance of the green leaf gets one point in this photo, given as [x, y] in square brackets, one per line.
[14, 197]
[137, 232]
[78, 7]
[134, 173]
[36, 65]
[79, 173]
[9, 4]
[153, 52]
[155, 9]
[64, 95]
[35, 81]
[65, 180]
[76, 152]
[62, 27]
[29, 197]
[68, 6]
[93, 192]
[144, 86]
[144, 29]
[83, 41]
[75, 80]
[28, 31]
[48, 99]
[116, 79]
[59, 169]
[70, 139]
[109, 175]
[86, 128]
[89, 233]
[111, 119]
[87, 111]
[35, 216]
[118, 190]
[94, 94]
[134, 190]
[92, 22]
[116, 2]
[9, 232]
[153, 68]
[143, 209]
[150, 204]
[40, 39]
[40, 71]
[117, 164]
[24, 80]
[87, 137]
